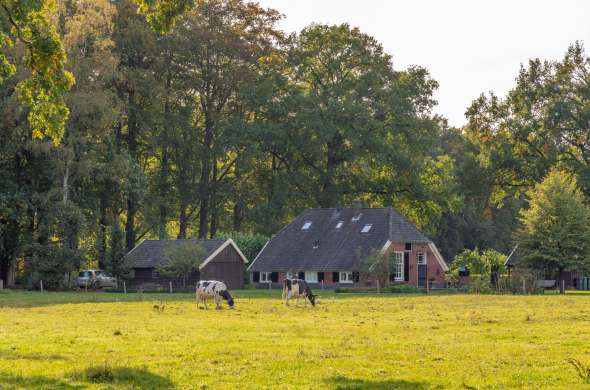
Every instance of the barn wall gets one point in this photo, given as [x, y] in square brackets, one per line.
[144, 278]
[435, 273]
[227, 267]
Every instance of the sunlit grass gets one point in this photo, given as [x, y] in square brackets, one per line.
[352, 342]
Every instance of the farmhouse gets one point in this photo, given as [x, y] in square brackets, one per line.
[326, 247]
[222, 260]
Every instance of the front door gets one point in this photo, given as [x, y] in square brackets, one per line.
[422, 269]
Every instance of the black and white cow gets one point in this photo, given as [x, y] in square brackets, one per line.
[297, 288]
[207, 289]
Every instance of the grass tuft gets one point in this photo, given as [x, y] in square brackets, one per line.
[582, 369]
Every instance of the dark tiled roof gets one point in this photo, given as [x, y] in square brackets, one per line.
[292, 249]
[152, 253]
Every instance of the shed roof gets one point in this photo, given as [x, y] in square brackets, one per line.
[332, 239]
[152, 253]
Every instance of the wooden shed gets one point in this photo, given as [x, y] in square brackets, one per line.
[222, 260]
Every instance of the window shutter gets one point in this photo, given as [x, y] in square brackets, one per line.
[335, 277]
[301, 275]
[406, 266]
[320, 276]
[256, 277]
[274, 277]
[356, 277]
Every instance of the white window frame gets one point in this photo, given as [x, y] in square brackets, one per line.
[265, 277]
[306, 225]
[289, 275]
[424, 256]
[398, 267]
[367, 228]
[339, 224]
[346, 277]
[357, 217]
[308, 276]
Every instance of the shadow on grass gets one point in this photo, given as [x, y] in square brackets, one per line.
[345, 383]
[135, 378]
[10, 381]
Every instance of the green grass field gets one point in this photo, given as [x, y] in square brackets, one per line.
[116, 341]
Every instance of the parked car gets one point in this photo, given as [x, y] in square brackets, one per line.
[96, 278]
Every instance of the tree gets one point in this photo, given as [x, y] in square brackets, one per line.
[555, 232]
[183, 259]
[31, 23]
[488, 265]
[379, 265]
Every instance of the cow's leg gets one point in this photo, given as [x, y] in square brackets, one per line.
[287, 296]
[217, 301]
[205, 302]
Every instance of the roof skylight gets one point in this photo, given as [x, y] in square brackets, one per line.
[366, 228]
[339, 224]
[306, 226]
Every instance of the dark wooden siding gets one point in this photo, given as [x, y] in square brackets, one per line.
[227, 267]
[149, 277]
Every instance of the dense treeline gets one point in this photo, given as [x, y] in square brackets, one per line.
[227, 124]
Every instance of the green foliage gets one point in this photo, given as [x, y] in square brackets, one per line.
[182, 260]
[379, 265]
[249, 244]
[30, 23]
[484, 268]
[555, 232]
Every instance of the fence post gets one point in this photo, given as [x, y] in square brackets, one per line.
[427, 286]
[523, 285]
[1, 284]
[41, 284]
[378, 287]
[170, 283]
[563, 285]
[124, 288]
[322, 284]
[269, 285]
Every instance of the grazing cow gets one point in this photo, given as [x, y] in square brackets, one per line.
[207, 289]
[297, 288]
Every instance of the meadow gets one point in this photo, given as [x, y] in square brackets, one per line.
[162, 341]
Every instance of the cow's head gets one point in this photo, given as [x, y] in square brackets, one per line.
[227, 296]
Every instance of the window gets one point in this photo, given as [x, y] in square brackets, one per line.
[306, 226]
[289, 275]
[265, 277]
[311, 277]
[357, 217]
[398, 267]
[421, 258]
[155, 274]
[346, 277]
[339, 224]
[366, 228]
[316, 244]
[408, 246]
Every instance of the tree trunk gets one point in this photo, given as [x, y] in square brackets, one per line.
[132, 131]
[204, 186]
[213, 203]
[163, 217]
[328, 192]
[101, 242]
[238, 215]
[182, 219]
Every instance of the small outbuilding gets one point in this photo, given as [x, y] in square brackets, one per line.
[219, 260]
